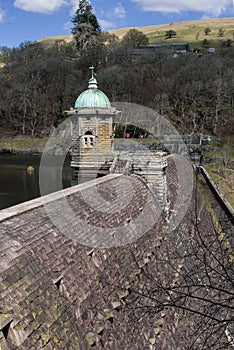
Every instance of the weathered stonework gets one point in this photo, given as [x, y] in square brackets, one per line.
[152, 168]
[56, 293]
[91, 139]
[93, 152]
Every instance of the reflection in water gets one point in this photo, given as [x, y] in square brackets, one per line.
[18, 185]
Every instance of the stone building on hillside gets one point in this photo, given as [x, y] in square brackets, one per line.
[99, 265]
[93, 152]
[92, 132]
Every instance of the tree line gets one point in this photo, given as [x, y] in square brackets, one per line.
[39, 81]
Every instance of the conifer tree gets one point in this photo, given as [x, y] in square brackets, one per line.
[86, 28]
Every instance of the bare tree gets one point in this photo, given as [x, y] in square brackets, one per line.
[134, 39]
[186, 290]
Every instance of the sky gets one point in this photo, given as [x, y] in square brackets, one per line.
[29, 20]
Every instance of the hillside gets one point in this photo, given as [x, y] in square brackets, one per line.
[52, 39]
[188, 31]
[214, 24]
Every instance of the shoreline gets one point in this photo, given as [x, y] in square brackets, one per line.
[31, 152]
[22, 146]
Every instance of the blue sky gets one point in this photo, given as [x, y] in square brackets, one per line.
[30, 20]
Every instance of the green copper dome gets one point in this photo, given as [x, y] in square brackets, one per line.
[92, 97]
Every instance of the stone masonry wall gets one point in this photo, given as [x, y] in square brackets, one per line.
[58, 294]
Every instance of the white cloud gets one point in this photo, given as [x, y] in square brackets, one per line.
[75, 5]
[120, 11]
[213, 7]
[2, 15]
[109, 18]
[105, 25]
[205, 17]
[67, 25]
[42, 6]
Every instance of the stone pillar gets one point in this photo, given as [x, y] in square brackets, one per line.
[152, 167]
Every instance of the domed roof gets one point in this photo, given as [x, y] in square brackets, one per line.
[92, 97]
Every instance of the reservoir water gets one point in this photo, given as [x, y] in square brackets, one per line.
[18, 185]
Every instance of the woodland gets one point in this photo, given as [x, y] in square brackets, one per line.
[195, 91]
[39, 80]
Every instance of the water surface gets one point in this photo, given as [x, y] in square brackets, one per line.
[18, 185]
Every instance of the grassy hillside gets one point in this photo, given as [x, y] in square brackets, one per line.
[188, 31]
[52, 39]
[226, 23]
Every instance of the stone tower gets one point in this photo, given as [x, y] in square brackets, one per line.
[93, 152]
[92, 125]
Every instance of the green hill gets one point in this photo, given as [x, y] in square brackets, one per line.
[188, 31]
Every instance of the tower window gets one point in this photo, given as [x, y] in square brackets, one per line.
[88, 139]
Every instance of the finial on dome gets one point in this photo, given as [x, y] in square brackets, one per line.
[92, 81]
[92, 70]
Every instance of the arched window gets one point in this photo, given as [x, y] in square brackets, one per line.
[88, 139]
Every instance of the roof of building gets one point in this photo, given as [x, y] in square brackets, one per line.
[56, 293]
[92, 97]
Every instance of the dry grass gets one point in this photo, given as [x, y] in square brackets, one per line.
[51, 39]
[188, 31]
[215, 23]
[223, 178]
[22, 144]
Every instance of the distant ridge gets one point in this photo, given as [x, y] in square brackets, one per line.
[50, 39]
[189, 31]
[213, 22]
